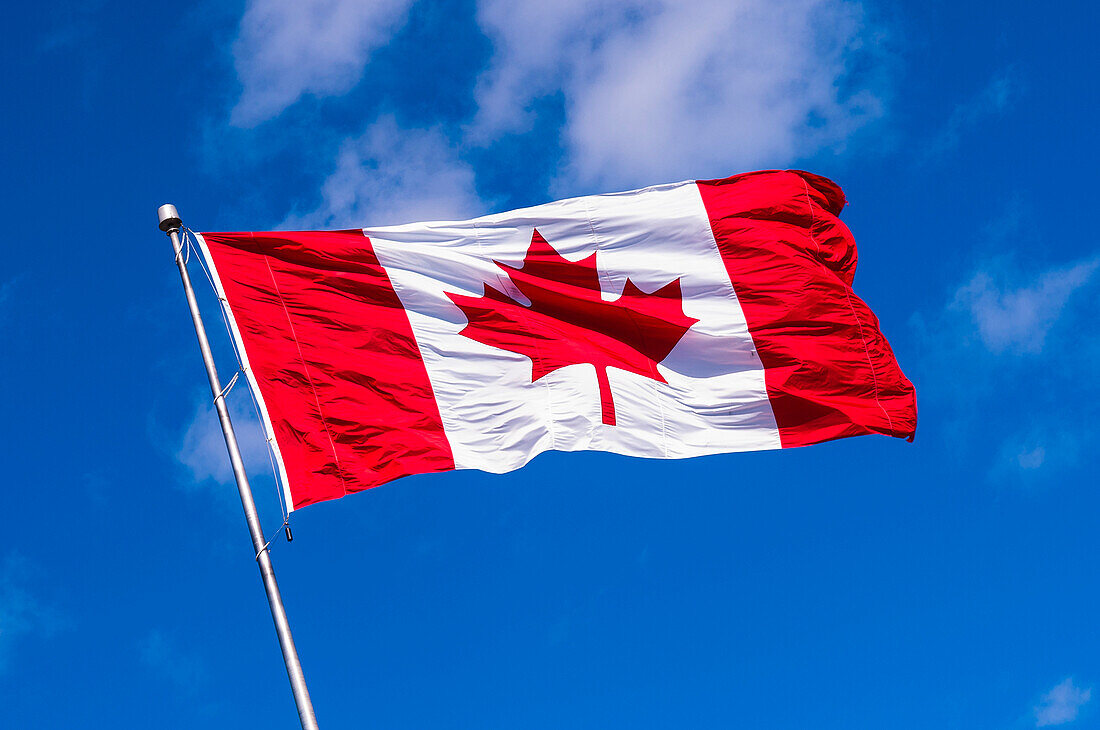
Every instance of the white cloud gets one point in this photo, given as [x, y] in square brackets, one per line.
[288, 48]
[202, 449]
[1032, 458]
[390, 175]
[653, 90]
[658, 89]
[1061, 704]
[1017, 319]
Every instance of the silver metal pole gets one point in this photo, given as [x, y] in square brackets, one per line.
[170, 223]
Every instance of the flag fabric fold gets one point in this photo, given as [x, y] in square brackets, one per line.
[675, 321]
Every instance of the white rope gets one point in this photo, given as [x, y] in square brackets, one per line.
[229, 385]
[185, 249]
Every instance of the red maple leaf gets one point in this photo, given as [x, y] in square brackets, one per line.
[568, 321]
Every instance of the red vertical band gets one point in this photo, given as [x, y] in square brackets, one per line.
[829, 371]
[334, 356]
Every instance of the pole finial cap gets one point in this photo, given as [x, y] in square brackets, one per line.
[169, 217]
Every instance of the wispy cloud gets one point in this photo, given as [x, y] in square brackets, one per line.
[74, 26]
[172, 661]
[391, 174]
[202, 448]
[1047, 443]
[22, 612]
[996, 97]
[657, 89]
[1061, 704]
[7, 293]
[998, 358]
[289, 48]
[1017, 317]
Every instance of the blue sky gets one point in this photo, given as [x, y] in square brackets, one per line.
[866, 583]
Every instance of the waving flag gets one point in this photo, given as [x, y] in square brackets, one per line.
[679, 320]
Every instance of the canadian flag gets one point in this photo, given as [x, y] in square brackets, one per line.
[694, 318]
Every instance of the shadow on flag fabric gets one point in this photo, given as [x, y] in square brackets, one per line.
[679, 320]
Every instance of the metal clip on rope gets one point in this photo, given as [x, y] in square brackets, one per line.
[267, 544]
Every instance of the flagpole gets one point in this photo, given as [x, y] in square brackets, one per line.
[170, 223]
